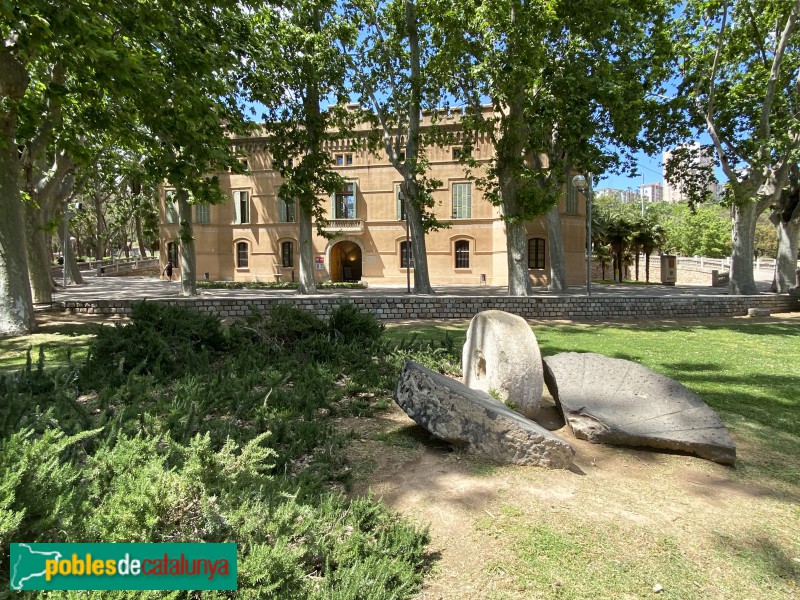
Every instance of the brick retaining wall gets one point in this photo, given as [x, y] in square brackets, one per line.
[444, 307]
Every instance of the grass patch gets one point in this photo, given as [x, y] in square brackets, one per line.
[575, 560]
[402, 437]
[60, 344]
[583, 558]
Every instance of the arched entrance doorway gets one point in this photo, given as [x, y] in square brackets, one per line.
[345, 261]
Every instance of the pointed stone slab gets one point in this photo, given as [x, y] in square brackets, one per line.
[614, 401]
[477, 422]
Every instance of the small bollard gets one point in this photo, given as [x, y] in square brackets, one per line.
[797, 278]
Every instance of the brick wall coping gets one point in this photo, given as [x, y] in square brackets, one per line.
[458, 307]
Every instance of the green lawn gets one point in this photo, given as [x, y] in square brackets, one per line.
[58, 342]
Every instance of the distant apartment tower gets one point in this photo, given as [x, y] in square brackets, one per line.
[651, 192]
[675, 191]
[627, 196]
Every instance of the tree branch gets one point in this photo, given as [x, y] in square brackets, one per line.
[712, 85]
[757, 37]
[766, 109]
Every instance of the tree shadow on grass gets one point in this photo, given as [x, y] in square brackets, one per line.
[761, 554]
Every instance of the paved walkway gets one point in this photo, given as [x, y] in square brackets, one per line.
[115, 288]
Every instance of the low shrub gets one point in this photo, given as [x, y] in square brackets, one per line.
[235, 444]
[162, 340]
[349, 324]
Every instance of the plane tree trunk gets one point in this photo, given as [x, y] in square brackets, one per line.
[745, 215]
[306, 283]
[188, 258]
[36, 243]
[140, 235]
[509, 152]
[788, 231]
[555, 245]
[785, 217]
[16, 302]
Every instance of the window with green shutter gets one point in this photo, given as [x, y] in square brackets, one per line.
[462, 200]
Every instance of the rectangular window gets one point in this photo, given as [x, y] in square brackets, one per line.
[406, 255]
[462, 200]
[572, 198]
[456, 153]
[536, 253]
[339, 160]
[171, 206]
[401, 206]
[287, 211]
[245, 163]
[348, 159]
[462, 254]
[241, 206]
[344, 203]
[202, 213]
[242, 258]
[287, 255]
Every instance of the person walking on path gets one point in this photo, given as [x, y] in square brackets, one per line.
[168, 270]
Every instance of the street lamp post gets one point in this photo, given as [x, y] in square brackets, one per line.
[580, 182]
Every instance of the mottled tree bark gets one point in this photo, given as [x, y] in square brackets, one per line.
[97, 205]
[16, 302]
[188, 258]
[140, 235]
[785, 217]
[555, 245]
[744, 228]
[306, 283]
[786, 261]
[36, 243]
[514, 134]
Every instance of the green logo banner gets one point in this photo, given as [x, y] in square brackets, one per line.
[123, 566]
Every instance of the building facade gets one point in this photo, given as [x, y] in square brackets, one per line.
[675, 191]
[651, 192]
[254, 237]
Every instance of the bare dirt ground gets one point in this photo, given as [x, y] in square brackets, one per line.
[467, 502]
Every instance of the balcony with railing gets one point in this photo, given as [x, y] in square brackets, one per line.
[353, 226]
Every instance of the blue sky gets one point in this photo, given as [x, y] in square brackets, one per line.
[648, 166]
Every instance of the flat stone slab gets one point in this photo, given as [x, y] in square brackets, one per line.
[613, 401]
[501, 356]
[475, 421]
[758, 312]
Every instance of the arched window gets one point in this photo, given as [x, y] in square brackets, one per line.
[462, 254]
[536, 253]
[242, 255]
[287, 255]
[406, 255]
